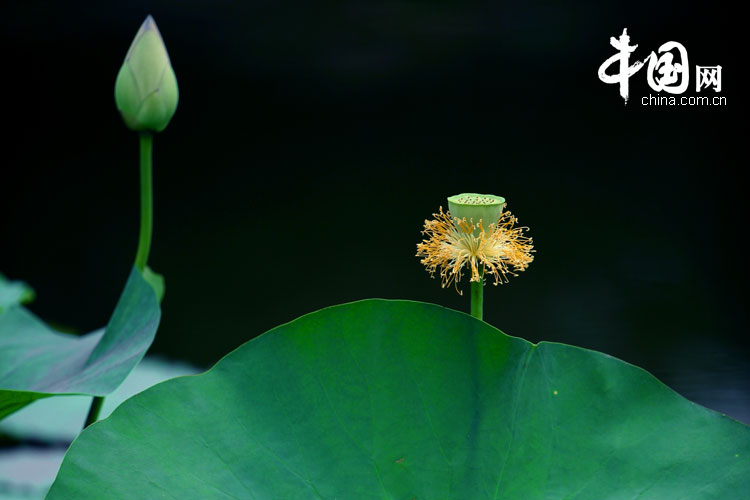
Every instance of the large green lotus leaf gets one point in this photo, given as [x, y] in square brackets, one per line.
[27, 472]
[37, 361]
[403, 400]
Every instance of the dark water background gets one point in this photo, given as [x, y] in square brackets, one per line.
[313, 138]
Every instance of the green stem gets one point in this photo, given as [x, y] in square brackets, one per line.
[144, 238]
[96, 406]
[147, 202]
[477, 296]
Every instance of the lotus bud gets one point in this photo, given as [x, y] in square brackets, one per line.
[146, 91]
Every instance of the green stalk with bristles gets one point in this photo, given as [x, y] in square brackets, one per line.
[477, 295]
[147, 201]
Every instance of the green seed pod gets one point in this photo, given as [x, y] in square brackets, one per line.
[476, 208]
[146, 91]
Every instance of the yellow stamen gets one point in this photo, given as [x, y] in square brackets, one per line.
[500, 249]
